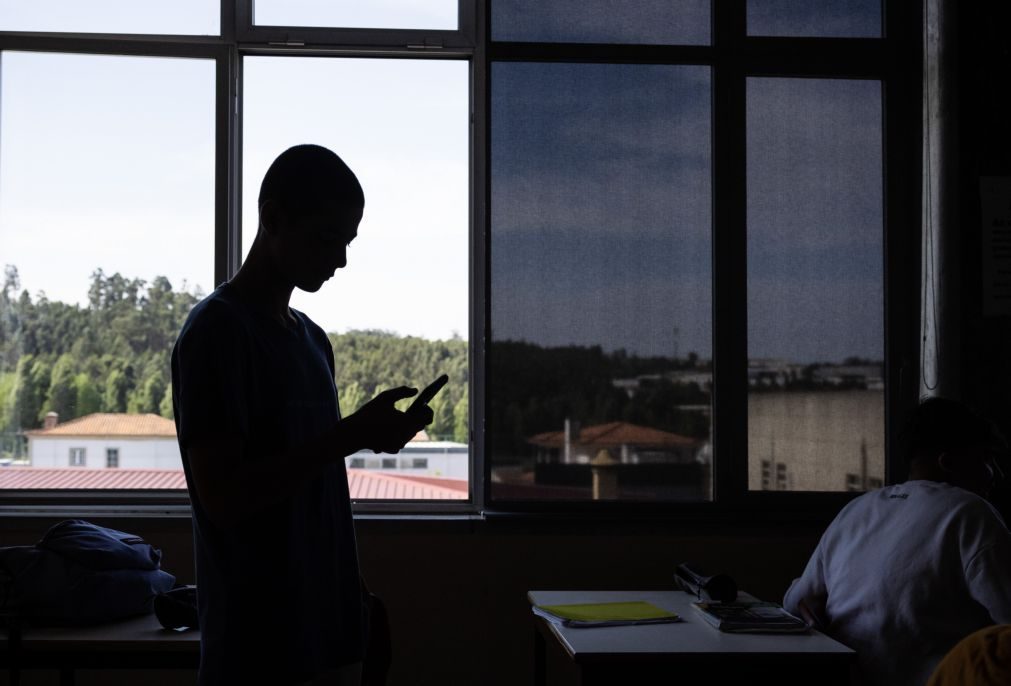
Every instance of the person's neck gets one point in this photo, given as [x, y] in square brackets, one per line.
[257, 286]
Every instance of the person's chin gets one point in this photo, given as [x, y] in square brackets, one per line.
[312, 286]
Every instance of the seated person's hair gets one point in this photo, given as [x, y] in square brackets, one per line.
[982, 658]
[942, 425]
[308, 178]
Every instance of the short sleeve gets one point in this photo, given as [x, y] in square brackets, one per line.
[209, 377]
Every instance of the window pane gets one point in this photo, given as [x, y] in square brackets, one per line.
[197, 17]
[107, 234]
[600, 360]
[825, 18]
[815, 284]
[375, 14]
[399, 312]
[640, 22]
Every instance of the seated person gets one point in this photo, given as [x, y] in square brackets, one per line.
[905, 572]
[980, 659]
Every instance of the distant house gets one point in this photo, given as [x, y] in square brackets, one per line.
[105, 441]
[626, 443]
[620, 460]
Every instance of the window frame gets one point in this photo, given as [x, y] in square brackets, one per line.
[895, 59]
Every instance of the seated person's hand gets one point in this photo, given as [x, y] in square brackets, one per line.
[382, 428]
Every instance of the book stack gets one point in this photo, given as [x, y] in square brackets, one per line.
[750, 617]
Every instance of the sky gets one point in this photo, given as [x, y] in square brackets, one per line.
[108, 162]
[601, 197]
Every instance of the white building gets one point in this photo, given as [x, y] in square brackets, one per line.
[420, 457]
[104, 441]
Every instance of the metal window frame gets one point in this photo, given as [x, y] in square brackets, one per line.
[895, 59]
[237, 40]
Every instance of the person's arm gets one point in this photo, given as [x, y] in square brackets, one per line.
[988, 572]
[807, 596]
[232, 488]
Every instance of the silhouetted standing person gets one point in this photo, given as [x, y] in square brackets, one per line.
[263, 444]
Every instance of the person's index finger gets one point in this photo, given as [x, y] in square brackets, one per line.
[431, 390]
[399, 393]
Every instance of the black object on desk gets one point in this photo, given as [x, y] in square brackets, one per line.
[718, 587]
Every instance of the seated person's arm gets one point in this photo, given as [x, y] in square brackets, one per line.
[232, 488]
[988, 575]
[807, 595]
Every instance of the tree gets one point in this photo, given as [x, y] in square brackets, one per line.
[148, 395]
[165, 409]
[117, 390]
[461, 421]
[61, 396]
[30, 385]
[351, 398]
[89, 399]
[442, 425]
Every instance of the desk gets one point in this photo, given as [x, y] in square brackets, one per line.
[135, 643]
[689, 651]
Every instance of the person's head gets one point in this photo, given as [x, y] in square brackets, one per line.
[946, 441]
[310, 206]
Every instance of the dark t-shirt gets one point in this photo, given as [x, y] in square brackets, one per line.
[279, 594]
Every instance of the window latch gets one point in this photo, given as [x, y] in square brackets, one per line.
[427, 45]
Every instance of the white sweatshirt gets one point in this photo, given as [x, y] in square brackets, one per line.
[903, 573]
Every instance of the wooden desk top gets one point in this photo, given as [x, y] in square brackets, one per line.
[692, 636]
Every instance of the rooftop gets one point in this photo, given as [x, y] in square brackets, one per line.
[615, 434]
[111, 424]
[364, 484]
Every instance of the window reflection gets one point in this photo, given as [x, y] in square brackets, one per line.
[815, 284]
[600, 362]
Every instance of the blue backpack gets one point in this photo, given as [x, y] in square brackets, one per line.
[80, 573]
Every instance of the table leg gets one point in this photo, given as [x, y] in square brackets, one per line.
[540, 663]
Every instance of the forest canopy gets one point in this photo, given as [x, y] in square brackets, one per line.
[112, 354]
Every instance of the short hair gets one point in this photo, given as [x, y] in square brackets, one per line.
[307, 178]
[942, 425]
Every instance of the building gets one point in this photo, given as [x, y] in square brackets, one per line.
[105, 441]
[621, 460]
[421, 457]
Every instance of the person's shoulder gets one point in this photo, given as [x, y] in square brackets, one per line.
[314, 330]
[215, 315]
[874, 503]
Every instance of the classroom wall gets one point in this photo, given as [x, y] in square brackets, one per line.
[456, 590]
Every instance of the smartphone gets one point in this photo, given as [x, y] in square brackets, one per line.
[428, 393]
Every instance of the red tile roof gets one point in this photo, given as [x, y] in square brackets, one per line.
[77, 477]
[112, 424]
[364, 484]
[369, 485]
[615, 434]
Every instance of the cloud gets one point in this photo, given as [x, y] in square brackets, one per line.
[613, 149]
[604, 21]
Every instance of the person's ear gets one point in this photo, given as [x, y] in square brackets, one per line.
[946, 463]
[271, 217]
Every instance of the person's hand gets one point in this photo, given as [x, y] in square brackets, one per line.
[382, 428]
